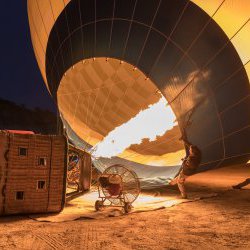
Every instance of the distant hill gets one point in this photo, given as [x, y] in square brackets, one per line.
[19, 117]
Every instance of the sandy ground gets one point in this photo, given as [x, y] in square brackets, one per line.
[221, 222]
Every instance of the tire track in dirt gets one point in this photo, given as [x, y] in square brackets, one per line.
[89, 239]
[50, 241]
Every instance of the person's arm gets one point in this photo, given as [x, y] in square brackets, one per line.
[184, 138]
[186, 143]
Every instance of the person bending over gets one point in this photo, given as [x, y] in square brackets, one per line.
[189, 166]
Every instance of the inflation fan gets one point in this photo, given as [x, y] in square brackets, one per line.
[118, 186]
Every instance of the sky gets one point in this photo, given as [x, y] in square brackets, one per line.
[20, 78]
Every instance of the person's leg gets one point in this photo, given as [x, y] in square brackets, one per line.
[181, 185]
[242, 184]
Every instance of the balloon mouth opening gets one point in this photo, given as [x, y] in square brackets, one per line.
[140, 120]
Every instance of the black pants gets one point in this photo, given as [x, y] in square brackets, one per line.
[243, 184]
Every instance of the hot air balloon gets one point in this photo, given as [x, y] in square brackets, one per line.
[105, 61]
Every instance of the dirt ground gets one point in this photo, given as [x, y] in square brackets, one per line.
[221, 222]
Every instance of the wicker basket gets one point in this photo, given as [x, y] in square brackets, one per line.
[33, 172]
